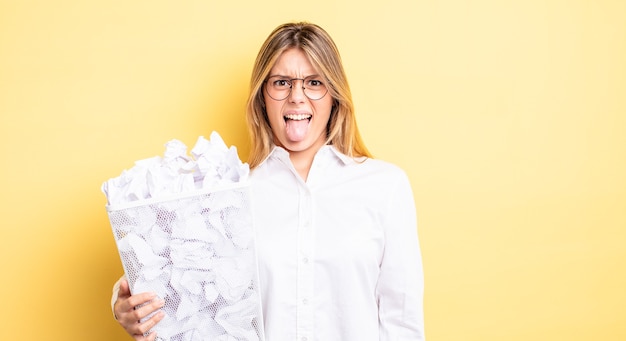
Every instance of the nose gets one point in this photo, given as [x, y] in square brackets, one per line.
[297, 91]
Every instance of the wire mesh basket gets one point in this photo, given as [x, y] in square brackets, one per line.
[196, 252]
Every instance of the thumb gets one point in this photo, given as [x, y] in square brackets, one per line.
[124, 289]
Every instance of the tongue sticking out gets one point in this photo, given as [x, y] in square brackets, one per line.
[296, 129]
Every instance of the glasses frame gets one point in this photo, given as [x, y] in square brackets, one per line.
[291, 83]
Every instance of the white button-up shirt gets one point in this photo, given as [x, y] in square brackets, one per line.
[338, 255]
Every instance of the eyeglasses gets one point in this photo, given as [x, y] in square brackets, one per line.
[279, 87]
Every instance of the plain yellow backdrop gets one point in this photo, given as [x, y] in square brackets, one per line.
[508, 116]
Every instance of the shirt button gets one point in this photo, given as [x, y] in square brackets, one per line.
[305, 260]
[305, 301]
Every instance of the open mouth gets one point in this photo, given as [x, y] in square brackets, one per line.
[297, 126]
[297, 117]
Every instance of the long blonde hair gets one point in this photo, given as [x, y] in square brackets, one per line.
[342, 130]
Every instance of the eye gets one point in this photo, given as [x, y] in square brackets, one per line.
[281, 83]
[314, 83]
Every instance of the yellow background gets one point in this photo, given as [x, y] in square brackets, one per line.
[508, 116]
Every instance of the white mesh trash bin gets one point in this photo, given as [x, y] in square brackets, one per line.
[197, 252]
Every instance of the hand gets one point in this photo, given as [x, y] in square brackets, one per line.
[129, 314]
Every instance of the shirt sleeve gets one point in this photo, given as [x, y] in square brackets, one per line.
[116, 290]
[400, 286]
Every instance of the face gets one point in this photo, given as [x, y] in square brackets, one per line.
[298, 123]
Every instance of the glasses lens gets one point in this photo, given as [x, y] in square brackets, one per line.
[314, 88]
[278, 88]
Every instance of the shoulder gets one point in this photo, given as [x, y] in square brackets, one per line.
[381, 165]
[380, 168]
[367, 165]
[374, 175]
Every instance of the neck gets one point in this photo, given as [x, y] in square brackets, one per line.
[303, 159]
[302, 162]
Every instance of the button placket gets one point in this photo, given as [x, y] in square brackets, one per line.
[305, 279]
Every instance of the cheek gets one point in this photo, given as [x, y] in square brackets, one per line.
[273, 113]
[324, 108]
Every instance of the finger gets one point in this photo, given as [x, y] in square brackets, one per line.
[144, 327]
[150, 337]
[126, 305]
[139, 299]
[130, 319]
[149, 308]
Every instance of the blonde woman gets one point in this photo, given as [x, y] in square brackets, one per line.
[336, 231]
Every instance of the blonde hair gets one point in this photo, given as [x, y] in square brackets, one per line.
[322, 52]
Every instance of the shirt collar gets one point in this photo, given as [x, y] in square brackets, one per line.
[280, 152]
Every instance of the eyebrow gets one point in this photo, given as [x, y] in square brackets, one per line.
[289, 77]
